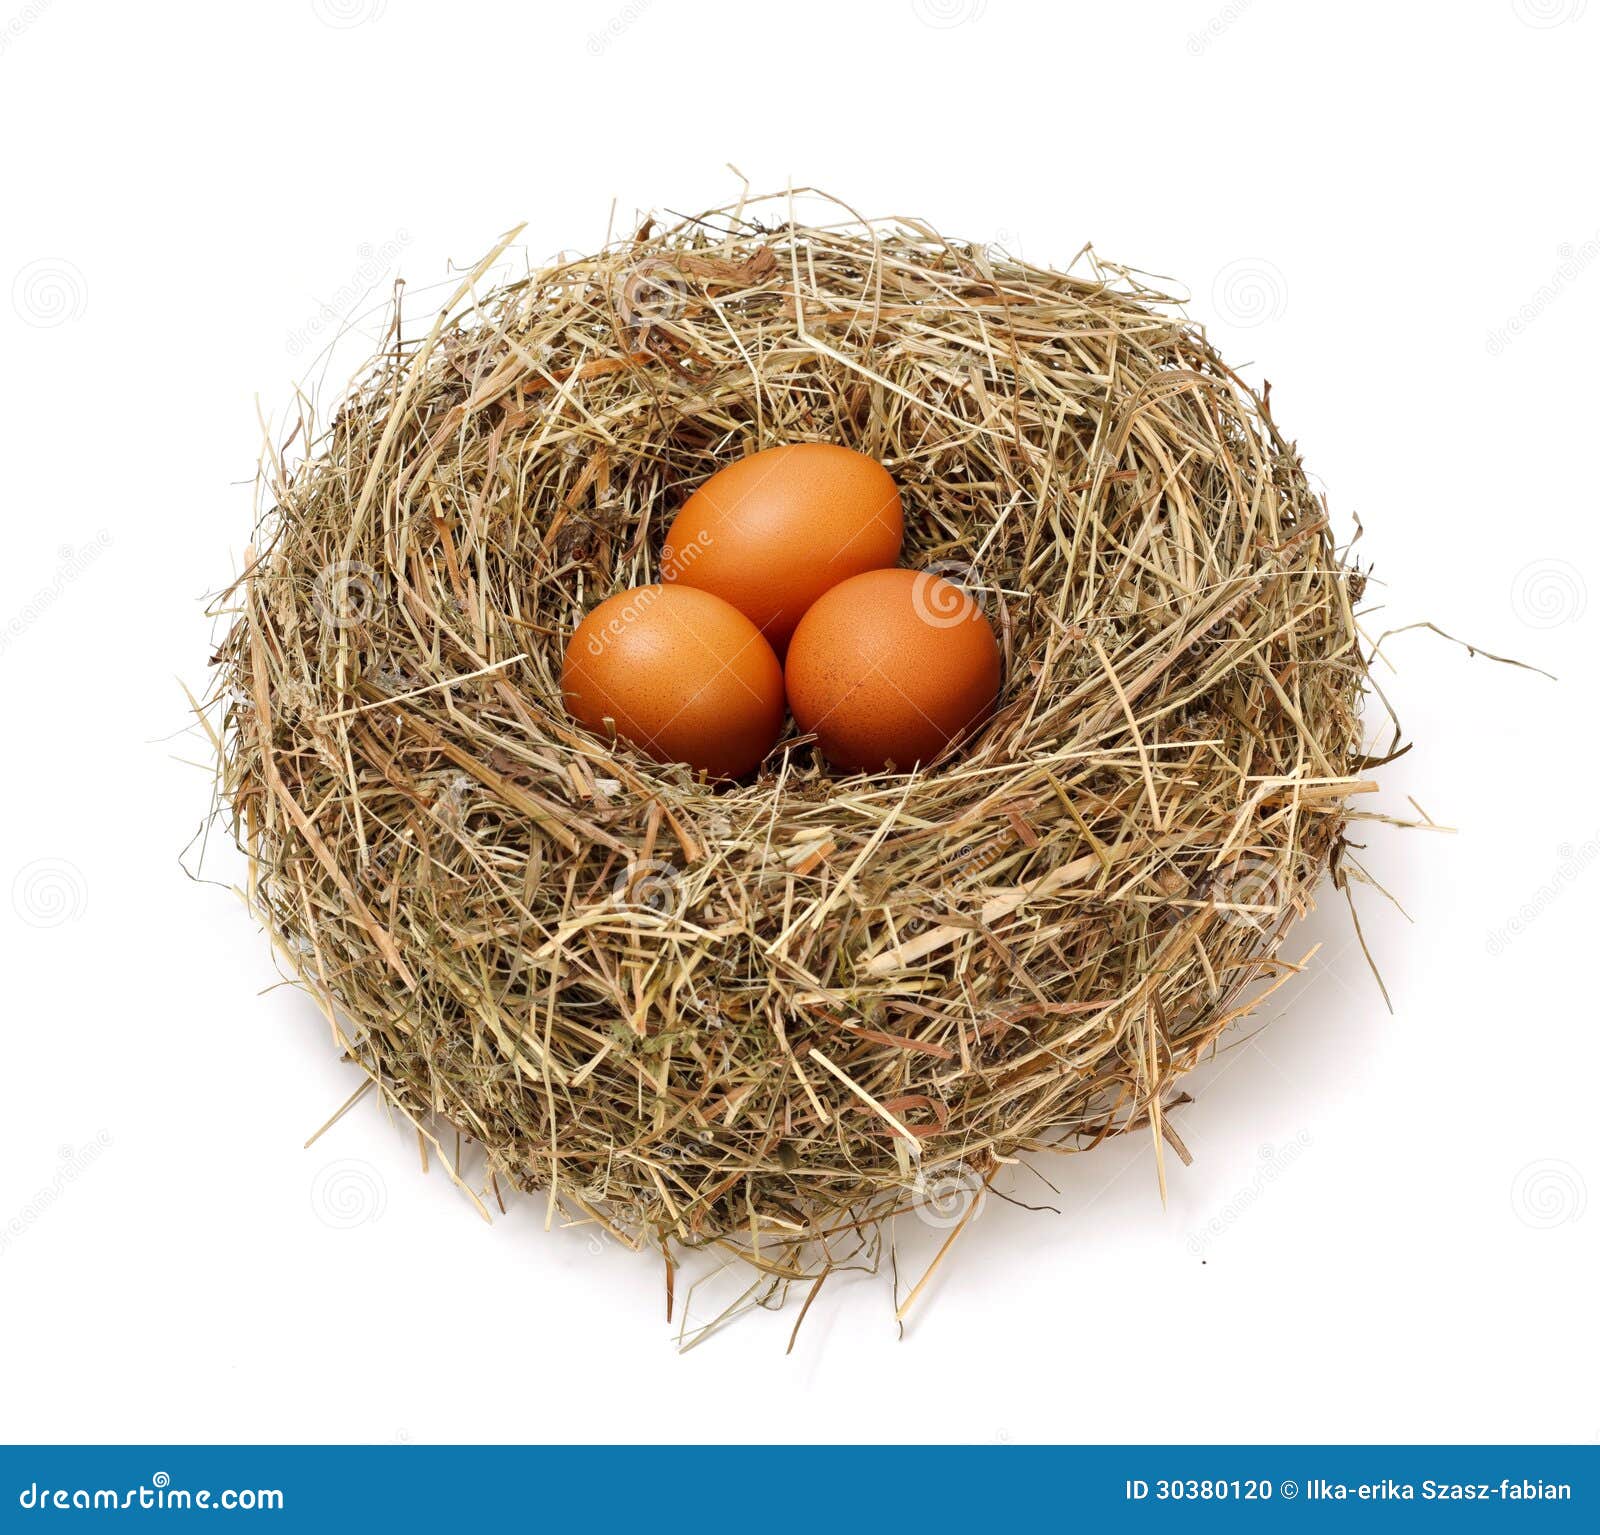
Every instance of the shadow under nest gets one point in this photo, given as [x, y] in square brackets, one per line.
[770, 1014]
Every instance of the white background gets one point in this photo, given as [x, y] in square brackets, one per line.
[1386, 1233]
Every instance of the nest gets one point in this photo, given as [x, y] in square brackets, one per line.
[768, 1015]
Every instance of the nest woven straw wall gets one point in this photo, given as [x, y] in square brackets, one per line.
[770, 1014]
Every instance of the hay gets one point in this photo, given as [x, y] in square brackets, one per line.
[768, 1015]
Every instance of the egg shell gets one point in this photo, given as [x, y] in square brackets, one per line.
[891, 665]
[686, 677]
[775, 530]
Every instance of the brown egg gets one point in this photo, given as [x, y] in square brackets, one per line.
[889, 666]
[773, 531]
[686, 677]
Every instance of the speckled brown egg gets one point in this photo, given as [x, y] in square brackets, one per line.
[685, 676]
[891, 666]
[773, 531]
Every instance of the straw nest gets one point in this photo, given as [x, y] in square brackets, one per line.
[768, 1015]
